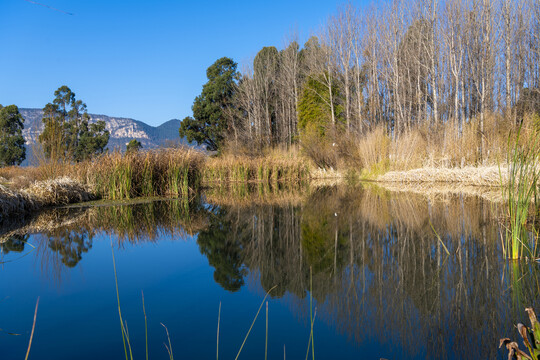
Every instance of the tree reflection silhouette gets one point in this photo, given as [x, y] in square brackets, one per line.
[223, 250]
[70, 245]
[15, 243]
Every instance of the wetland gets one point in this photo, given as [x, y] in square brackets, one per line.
[393, 275]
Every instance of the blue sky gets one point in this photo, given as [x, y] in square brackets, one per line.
[141, 59]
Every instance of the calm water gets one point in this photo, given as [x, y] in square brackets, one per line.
[383, 285]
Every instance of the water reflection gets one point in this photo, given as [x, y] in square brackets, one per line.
[14, 243]
[380, 275]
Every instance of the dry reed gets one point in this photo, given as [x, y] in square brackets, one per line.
[477, 176]
[272, 168]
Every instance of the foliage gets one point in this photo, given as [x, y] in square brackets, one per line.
[223, 252]
[522, 196]
[530, 337]
[209, 125]
[317, 132]
[133, 146]
[93, 139]
[12, 150]
[313, 109]
[68, 134]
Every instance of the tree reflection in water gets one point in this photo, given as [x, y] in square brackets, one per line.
[14, 243]
[379, 272]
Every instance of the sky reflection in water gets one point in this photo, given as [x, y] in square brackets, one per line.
[383, 284]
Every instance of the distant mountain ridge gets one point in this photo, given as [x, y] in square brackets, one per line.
[122, 130]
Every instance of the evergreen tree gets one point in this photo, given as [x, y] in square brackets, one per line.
[209, 125]
[314, 112]
[68, 134]
[12, 150]
[133, 146]
[92, 140]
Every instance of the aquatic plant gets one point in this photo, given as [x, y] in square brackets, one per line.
[32, 332]
[530, 337]
[521, 194]
[272, 169]
[171, 172]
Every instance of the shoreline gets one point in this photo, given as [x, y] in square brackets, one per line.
[483, 181]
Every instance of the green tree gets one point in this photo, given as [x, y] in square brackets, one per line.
[223, 250]
[317, 131]
[92, 140]
[68, 134]
[313, 109]
[133, 146]
[12, 150]
[209, 123]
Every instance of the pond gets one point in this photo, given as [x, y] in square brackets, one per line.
[380, 282]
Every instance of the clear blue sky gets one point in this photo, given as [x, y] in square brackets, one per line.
[141, 59]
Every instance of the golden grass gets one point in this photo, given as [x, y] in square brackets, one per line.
[477, 176]
[41, 194]
[17, 177]
[275, 166]
[373, 150]
[443, 191]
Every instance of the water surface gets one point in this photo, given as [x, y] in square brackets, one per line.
[383, 285]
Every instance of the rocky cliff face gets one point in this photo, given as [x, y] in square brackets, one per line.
[122, 130]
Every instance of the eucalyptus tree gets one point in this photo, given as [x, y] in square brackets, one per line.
[68, 134]
[12, 150]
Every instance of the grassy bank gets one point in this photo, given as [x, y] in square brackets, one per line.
[161, 173]
[421, 155]
[270, 168]
[41, 194]
[115, 176]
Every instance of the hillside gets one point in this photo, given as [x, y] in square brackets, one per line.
[122, 130]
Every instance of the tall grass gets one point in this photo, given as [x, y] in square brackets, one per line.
[253, 322]
[522, 196]
[272, 168]
[171, 172]
[378, 150]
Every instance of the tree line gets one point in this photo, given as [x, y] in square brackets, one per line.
[399, 64]
[67, 132]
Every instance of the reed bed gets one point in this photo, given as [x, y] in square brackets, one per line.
[41, 194]
[170, 172]
[60, 191]
[523, 196]
[14, 203]
[476, 176]
[264, 169]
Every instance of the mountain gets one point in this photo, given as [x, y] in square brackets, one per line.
[122, 130]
